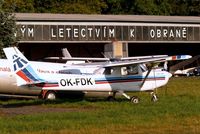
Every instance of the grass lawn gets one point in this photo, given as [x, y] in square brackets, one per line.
[176, 112]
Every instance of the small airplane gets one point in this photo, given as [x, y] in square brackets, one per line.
[113, 76]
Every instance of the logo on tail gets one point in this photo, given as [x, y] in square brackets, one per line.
[18, 62]
[24, 70]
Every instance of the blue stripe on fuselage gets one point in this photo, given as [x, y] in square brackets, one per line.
[138, 78]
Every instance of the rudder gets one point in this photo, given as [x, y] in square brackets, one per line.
[20, 65]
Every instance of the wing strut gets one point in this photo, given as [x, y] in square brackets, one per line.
[146, 76]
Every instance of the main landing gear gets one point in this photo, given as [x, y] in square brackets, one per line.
[112, 97]
[48, 95]
[133, 99]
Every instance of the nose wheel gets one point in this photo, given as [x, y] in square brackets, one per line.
[154, 97]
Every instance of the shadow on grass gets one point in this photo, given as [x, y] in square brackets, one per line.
[33, 102]
[14, 103]
[10, 101]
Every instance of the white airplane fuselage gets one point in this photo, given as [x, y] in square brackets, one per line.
[67, 77]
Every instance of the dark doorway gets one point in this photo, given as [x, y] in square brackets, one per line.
[140, 49]
[40, 51]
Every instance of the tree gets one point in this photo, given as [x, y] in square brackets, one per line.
[45, 6]
[82, 6]
[22, 6]
[114, 7]
[179, 7]
[194, 9]
[152, 7]
[7, 28]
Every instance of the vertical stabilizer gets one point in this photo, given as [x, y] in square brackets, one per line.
[20, 65]
[66, 53]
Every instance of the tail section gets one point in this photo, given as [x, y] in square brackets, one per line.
[66, 53]
[20, 65]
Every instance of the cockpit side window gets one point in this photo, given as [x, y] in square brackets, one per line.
[132, 70]
[107, 71]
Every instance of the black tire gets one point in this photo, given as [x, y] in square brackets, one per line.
[111, 98]
[50, 95]
[135, 100]
[154, 98]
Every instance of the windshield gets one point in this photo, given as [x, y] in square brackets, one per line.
[143, 67]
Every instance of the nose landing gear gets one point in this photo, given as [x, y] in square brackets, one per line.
[154, 97]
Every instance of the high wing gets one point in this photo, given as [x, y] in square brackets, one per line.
[132, 62]
[178, 57]
[145, 61]
[76, 59]
[142, 57]
[64, 59]
[67, 57]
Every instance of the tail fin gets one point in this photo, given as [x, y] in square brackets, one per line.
[66, 53]
[20, 65]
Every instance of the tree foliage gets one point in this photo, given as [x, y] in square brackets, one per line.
[82, 7]
[20, 5]
[140, 7]
[194, 7]
[7, 28]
